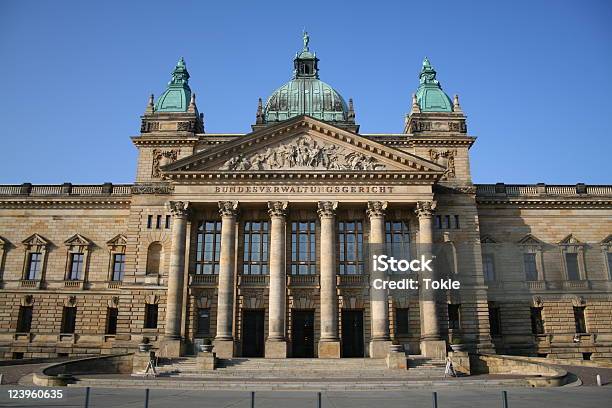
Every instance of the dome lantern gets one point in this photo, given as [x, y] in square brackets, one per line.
[430, 96]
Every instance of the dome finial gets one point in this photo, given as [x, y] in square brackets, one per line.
[305, 39]
[192, 103]
[415, 104]
[150, 105]
[351, 111]
[177, 96]
[259, 116]
[456, 106]
[430, 96]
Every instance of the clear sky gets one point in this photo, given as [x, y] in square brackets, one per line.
[533, 76]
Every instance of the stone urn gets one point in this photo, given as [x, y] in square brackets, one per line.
[396, 348]
[145, 345]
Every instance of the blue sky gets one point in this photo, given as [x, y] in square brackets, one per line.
[533, 76]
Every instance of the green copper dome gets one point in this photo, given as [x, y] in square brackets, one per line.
[430, 96]
[178, 94]
[306, 94]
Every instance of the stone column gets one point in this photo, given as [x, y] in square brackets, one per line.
[329, 343]
[276, 344]
[171, 346]
[431, 343]
[224, 340]
[379, 303]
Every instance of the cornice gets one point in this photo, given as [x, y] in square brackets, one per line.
[155, 141]
[60, 203]
[546, 203]
[429, 177]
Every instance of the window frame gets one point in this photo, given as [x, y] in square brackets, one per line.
[538, 326]
[309, 262]
[151, 316]
[112, 313]
[69, 318]
[402, 321]
[495, 321]
[357, 234]
[34, 244]
[580, 320]
[25, 326]
[198, 332]
[202, 236]
[492, 277]
[456, 308]
[250, 265]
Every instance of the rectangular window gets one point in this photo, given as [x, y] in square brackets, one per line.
[208, 248]
[494, 320]
[537, 323]
[401, 321]
[609, 257]
[149, 221]
[34, 265]
[68, 320]
[447, 222]
[579, 319]
[118, 266]
[438, 222]
[571, 261]
[111, 320]
[531, 269]
[24, 322]
[158, 222]
[350, 239]
[76, 266]
[303, 248]
[255, 248]
[167, 222]
[457, 226]
[203, 326]
[397, 239]
[488, 267]
[150, 316]
[454, 316]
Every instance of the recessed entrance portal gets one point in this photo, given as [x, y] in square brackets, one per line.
[253, 333]
[352, 333]
[302, 333]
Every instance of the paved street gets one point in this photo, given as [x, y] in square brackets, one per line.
[473, 397]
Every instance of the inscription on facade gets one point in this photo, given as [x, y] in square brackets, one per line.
[305, 189]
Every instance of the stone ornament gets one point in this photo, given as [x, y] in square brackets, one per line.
[446, 159]
[303, 153]
[70, 301]
[152, 189]
[376, 208]
[425, 208]
[113, 302]
[277, 208]
[228, 208]
[27, 300]
[326, 208]
[178, 208]
[162, 158]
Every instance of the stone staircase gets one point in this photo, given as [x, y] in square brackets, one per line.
[294, 374]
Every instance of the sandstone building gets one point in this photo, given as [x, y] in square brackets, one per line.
[256, 241]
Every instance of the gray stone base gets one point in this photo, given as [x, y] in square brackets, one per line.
[329, 349]
[379, 348]
[434, 349]
[206, 361]
[276, 349]
[397, 360]
[461, 361]
[140, 360]
[224, 348]
[170, 348]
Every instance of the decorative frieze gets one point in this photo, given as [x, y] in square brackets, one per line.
[304, 153]
[162, 158]
[446, 159]
[152, 188]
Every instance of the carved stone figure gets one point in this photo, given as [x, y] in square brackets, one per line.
[162, 158]
[445, 158]
[304, 153]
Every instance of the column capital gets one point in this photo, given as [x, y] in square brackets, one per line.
[228, 208]
[327, 208]
[178, 209]
[425, 208]
[376, 208]
[277, 208]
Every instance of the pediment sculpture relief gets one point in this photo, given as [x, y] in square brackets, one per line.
[445, 158]
[304, 153]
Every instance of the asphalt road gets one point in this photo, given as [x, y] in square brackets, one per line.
[464, 397]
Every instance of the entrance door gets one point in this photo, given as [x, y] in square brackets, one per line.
[253, 333]
[352, 333]
[302, 333]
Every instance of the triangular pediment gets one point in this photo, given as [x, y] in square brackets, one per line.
[117, 240]
[530, 240]
[77, 240]
[570, 240]
[607, 240]
[303, 144]
[35, 240]
[487, 239]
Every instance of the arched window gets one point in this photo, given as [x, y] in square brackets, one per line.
[154, 256]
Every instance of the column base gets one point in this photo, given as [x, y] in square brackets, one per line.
[276, 349]
[434, 349]
[329, 349]
[379, 348]
[224, 348]
[170, 348]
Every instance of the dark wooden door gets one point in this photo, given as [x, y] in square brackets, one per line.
[253, 333]
[352, 333]
[302, 333]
